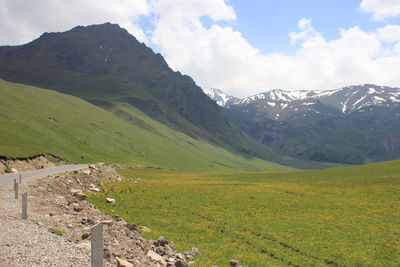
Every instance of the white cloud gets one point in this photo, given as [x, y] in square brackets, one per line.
[220, 57]
[381, 9]
[21, 20]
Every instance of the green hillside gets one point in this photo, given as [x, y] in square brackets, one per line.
[342, 216]
[35, 120]
[105, 65]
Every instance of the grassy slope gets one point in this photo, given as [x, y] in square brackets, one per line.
[34, 120]
[348, 216]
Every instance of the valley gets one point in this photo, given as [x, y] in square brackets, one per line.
[281, 178]
[343, 216]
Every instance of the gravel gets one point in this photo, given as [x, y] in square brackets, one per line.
[25, 243]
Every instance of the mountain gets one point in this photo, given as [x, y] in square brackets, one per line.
[220, 97]
[354, 124]
[106, 66]
[40, 121]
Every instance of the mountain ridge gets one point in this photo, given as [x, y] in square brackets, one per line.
[354, 124]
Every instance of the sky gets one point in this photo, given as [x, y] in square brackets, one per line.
[241, 47]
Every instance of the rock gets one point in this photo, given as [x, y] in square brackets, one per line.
[80, 196]
[110, 200]
[87, 172]
[108, 222]
[93, 188]
[78, 208]
[14, 170]
[234, 263]
[144, 229]
[192, 253]
[180, 256]
[161, 242]
[87, 221]
[155, 257]
[93, 167]
[85, 235]
[75, 191]
[180, 263]
[131, 226]
[123, 263]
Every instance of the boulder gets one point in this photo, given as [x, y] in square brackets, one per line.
[234, 263]
[93, 167]
[144, 229]
[78, 208]
[110, 200]
[108, 222]
[155, 257]
[192, 253]
[14, 170]
[87, 172]
[123, 263]
[180, 263]
[75, 191]
[80, 196]
[93, 188]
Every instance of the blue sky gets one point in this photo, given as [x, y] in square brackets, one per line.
[266, 23]
[241, 47]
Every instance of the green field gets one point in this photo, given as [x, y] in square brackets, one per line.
[38, 121]
[343, 216]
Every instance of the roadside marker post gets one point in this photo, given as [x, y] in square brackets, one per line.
[15, 183]
[97, 245]
[24, 206]
[16, 190]
[20, 178]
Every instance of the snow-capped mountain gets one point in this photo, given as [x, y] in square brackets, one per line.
[220, 97]
[277, 103]
[353, 124]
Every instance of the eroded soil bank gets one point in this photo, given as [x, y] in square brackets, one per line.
[14, 165]
[60, 202]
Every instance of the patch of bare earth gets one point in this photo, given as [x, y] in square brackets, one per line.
[60, 205]
[25, 164]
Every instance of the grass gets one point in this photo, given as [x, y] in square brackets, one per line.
[57, 231]
[343, 216]
[38, 121]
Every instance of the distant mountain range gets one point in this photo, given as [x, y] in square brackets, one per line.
[353, 124]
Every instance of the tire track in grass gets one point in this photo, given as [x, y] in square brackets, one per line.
[275, 241]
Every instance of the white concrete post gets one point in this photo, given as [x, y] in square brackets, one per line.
[25, 206]
[97, 245]
[16, 190]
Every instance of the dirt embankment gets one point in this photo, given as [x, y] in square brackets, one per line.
[60, 200]
[24, 164]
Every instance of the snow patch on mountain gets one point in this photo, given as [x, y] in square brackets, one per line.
[220, 97]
